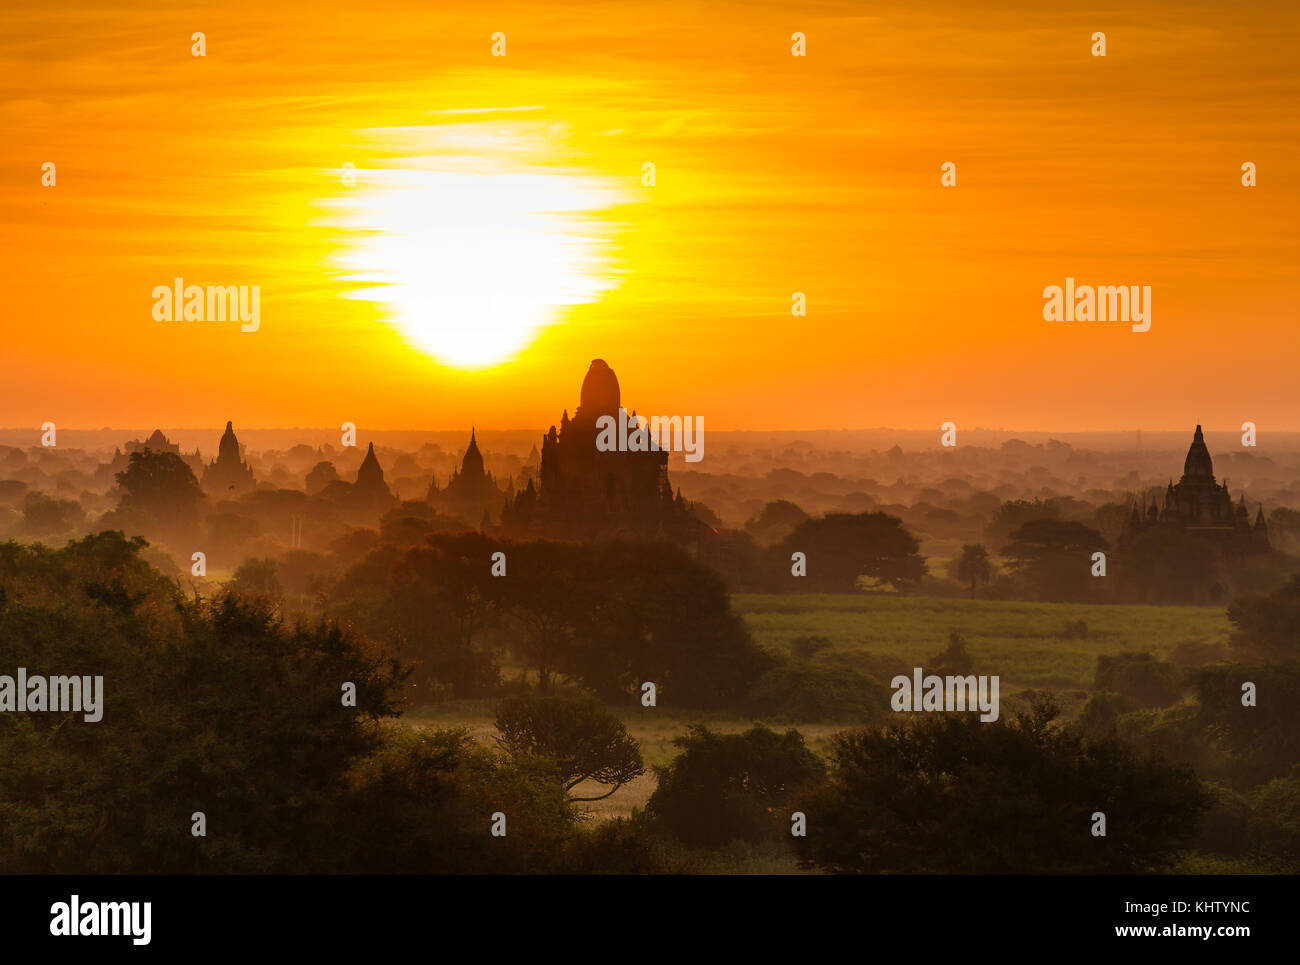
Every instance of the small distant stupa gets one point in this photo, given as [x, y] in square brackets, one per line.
[228, 472]
[472, 493]
[370, 477]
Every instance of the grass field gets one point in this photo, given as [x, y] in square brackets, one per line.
[1024, 643]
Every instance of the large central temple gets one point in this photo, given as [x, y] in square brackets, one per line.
[584, 491]
[1200, 506]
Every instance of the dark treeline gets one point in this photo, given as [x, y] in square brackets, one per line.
[1031, 552]
[229, 707]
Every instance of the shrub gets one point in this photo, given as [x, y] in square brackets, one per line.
[1198, 653]
[422, 803]
[622, 846]
[951, 795]
[1075, 630]
[1100, 715]
[1142, 678]
[955, 659]
[724, 787]
[805, 648]
[810, 693]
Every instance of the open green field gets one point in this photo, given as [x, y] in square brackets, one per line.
[1024, 643]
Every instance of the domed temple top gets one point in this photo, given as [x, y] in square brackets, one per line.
[1198, 465]
[600, 393]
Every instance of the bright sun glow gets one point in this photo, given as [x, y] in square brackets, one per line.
[470, 247]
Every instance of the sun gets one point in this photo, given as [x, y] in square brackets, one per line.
[471, 245]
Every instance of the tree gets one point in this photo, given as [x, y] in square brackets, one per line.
[1053, 557]
[812, 693]
[420, 804]
[44, 516]
[546, 589]
[1162, 565]
[1268, 626]
[582, 737]
[1014, 513]
[950, 794]
[431, 604]
[160, 488]
[208, 705]
[1142, 678]
[724, 787]
[1256, 742]
[257, 577]
[843, 549]
[320, 476]
[777, 520]
[1284, 526]
[973, 566]
[650, 612]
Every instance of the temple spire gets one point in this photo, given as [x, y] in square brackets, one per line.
[1198, 466]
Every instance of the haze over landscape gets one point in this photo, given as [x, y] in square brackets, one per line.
[585, 438]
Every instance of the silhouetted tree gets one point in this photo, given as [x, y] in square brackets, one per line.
[210, 705]
[843, 549]
[1140, 677]
[584, 739]
[44, 516]
[420, 803]
[1256, 742]
[1014, 513]
[1268, 626]
[441, 602]
[545, 590]
[724, 787]
[1161, 565]
[953, 795]
[1053, 557]
[974, 567]
[160, 488]
[320, 476]
[656, 614]
[776, 521]
[257, 577]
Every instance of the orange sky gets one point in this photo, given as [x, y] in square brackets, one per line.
[774, 174]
